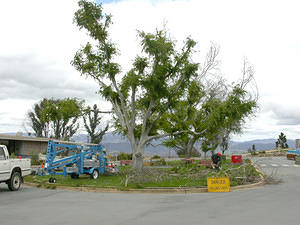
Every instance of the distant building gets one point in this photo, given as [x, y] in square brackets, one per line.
[20, 145]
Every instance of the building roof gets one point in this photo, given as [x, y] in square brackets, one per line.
[22, 138]
[37, 139]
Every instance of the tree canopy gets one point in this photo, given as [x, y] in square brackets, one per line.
[159, 76]
[92, 123]
[56, 118]
[210, 113]
[162, 94]
[281, 141]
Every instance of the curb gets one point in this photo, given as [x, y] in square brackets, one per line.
[150, 190]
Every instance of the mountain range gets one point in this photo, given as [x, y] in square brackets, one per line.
[117, 143]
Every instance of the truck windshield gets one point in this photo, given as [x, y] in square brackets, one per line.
[2, 156]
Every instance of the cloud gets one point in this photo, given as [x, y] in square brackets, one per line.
[287, 115]
[28, 77]
[40, 40]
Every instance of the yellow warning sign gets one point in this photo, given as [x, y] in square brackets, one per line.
[220, 184]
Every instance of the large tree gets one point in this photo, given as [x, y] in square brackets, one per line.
[56, 118]
[92, 122]
[158, 77]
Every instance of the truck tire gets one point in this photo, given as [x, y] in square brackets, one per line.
[52, 180]
[15, 181]
[74, 176]
[95, 174]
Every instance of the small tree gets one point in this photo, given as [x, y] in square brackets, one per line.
[92, 122]
[216, 109]
[253, 148]
[281, 141]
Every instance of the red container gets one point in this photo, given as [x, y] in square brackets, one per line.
[236, 158]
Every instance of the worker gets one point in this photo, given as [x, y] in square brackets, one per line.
[216, 161]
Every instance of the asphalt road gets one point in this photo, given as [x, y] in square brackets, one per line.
[267, 205]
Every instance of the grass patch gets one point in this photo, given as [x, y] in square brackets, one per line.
[180, 175]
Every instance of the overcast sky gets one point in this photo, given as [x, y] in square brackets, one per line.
[38, 40]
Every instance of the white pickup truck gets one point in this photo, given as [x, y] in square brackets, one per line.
[13, 170]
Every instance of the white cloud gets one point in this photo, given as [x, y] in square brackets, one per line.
[40, 41]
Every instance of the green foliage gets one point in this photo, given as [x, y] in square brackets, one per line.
[124, 156]
[56, 118]
[13, 156]
[39, 124]
[158, 77]
[92, 122]
[155, 157]
[160, 162]
[191, 175]
[35, 159]
[210, 114]
[281, 141]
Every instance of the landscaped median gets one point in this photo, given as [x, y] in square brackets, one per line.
[177, 177]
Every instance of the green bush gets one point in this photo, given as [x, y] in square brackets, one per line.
[156, 157]
[13, 156]
[35, 159]
[124, 156]
[161, 162]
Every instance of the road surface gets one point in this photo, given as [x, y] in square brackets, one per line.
[268, 205]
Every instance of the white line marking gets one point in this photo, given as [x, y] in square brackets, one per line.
[263, 165]
[296, 165]
[274, 165]
[285, 165]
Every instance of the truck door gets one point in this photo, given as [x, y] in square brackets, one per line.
[4, 165]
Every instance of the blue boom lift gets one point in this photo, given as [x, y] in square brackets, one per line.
[76, 160]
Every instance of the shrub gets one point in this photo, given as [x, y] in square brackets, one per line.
[156, 157]
[124, 156]
[13, 156]
[161, 162]
[35, 159]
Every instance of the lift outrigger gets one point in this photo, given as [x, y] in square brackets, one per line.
[74, 160]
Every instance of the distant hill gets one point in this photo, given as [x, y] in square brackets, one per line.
[262, 144]
[117, 143]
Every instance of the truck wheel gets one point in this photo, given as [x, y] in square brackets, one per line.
[74, 176]
[15, 182]
[95, 174]
[52, 180]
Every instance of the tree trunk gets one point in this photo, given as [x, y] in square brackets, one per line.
[189, 148]
[138, 157]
